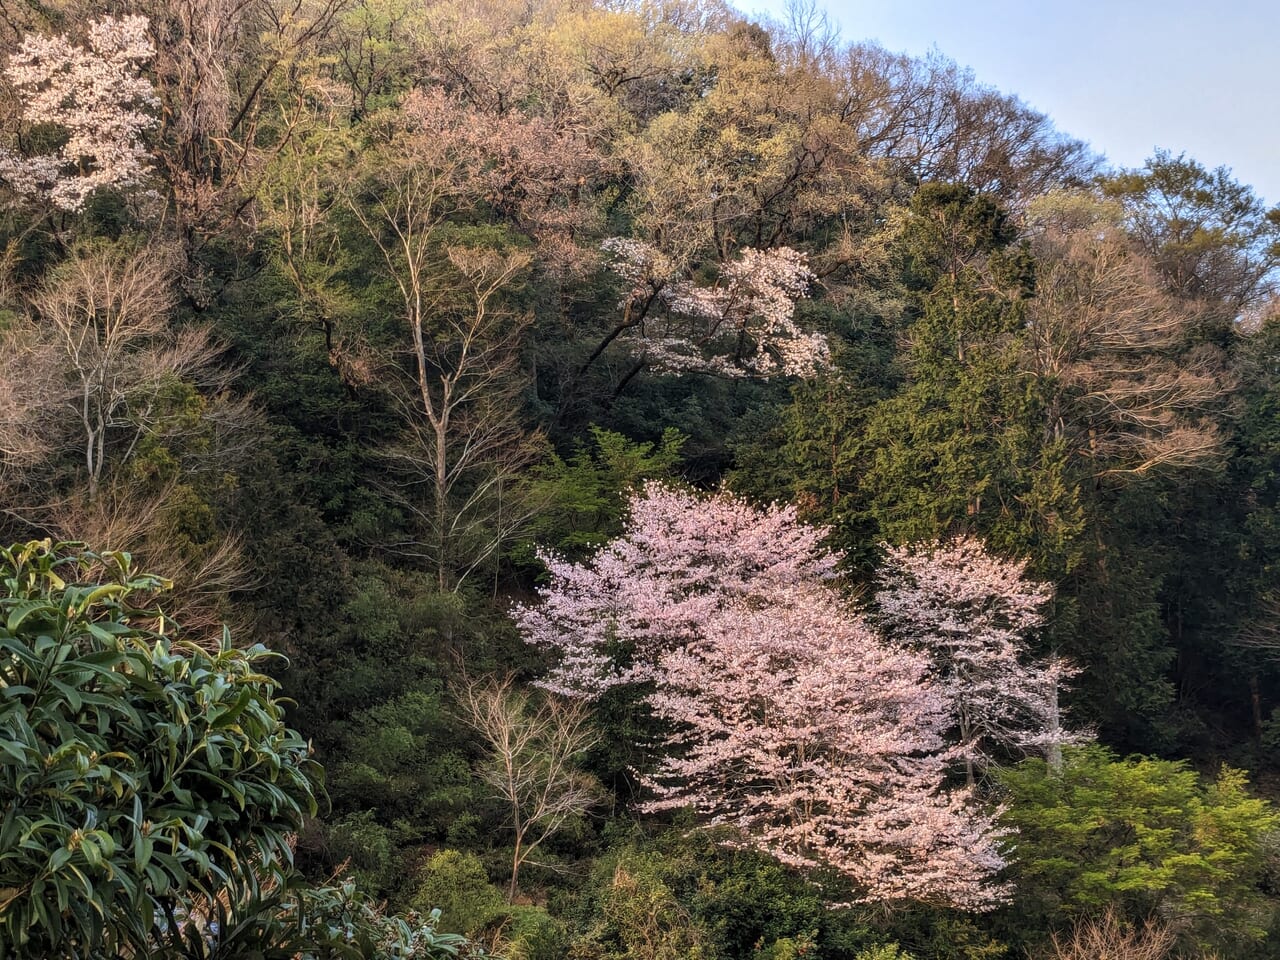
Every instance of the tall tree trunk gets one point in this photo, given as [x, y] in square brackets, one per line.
[441, 493]
[515, 869]
[1054, 748]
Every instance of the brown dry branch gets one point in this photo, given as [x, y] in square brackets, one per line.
[533, 742]
[1110, 937]
[204, 574]
[1129, 393]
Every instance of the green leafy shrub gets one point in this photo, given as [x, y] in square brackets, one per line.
[456, 884]
[137, 770]
[401, 760]
[366, 846]
[151, 788]
[1143, 835]
[641, 919]
[683, 891]
[295, 921]
[889, 951]
[533, 934]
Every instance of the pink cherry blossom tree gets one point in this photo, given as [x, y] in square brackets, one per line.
[96, 96]
[789, 719]
[973, 613]
[742, 325]
[683, 558]
[823, 746]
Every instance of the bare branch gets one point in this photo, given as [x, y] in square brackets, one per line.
[534, 741]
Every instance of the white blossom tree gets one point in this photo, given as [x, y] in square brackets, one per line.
[96, 96]
[682, 558]
[788, 718]
[741, 325]
[823, 746]
[973, 614]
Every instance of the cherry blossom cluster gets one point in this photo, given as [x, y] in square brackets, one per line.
[641, 264]
[741, 325]
[973, 614]
[95, 95]
[791, 720]
[682, 559]
[823, 746]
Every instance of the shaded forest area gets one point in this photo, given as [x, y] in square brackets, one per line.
[720, 492]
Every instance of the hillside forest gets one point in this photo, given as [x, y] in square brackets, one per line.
[618, 480]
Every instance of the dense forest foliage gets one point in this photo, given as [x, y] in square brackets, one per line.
[641, 482]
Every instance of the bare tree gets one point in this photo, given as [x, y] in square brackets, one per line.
[1109, 937]
[932, 119]
[94, 383]
[807, 38]
[468, 448]
[105, 309]
[533, 743]
[411, 185]
[465, 446]
[1129, 393]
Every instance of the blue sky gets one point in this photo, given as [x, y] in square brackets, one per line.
[1127, 75]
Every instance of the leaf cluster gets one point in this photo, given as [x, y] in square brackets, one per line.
[138, 771]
